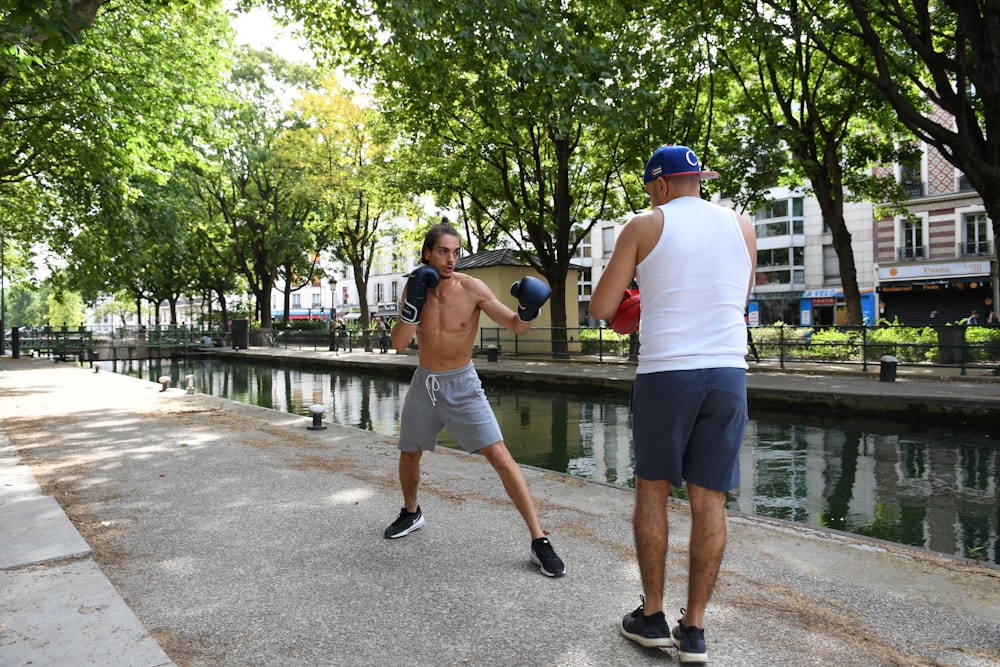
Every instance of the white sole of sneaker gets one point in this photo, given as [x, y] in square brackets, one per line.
[534, 559]
[696, 658]
[649, 642]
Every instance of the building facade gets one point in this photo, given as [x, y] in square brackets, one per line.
[937, 264]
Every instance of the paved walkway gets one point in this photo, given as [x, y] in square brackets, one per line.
[144, 527]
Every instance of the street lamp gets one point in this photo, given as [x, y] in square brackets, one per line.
[333, 313]
[3, 295]
[333, 297]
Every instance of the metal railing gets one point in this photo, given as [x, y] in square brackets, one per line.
[955, 345]
[951, 345]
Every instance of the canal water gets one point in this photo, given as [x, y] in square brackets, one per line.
[904, 483]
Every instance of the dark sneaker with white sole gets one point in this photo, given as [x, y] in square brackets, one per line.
[690, 643]
[405, 523]
[649, 631]
[544, 556]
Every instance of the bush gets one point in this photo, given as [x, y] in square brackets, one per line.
[603, 341]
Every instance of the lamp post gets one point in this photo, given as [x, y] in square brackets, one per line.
[333, 297]
[3, 294]
[333, 313]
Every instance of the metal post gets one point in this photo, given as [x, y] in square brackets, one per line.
[864, 348]
[781, 344]
[3, 294]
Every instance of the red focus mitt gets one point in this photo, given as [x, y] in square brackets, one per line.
[626, 320]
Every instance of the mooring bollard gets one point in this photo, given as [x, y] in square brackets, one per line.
[887, 368]
[165, 381]
[190, 384]
[317, 413]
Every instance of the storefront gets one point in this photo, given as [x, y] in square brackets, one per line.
[935, 293]
[826, 307]
[770, 307]
[301, 314]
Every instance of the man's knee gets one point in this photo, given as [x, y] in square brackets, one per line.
[498, 455]
[410, 458]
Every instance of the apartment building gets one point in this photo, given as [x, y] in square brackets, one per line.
[937, 264]
[798, 275]
[930, 266]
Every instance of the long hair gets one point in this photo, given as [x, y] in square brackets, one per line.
[433, 234]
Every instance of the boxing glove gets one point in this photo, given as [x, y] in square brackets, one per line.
[626, 319]
[531, 294]
[421, 279]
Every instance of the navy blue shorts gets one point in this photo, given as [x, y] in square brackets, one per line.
[689, 425]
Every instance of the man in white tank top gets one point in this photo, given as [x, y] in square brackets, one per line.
[694, 262]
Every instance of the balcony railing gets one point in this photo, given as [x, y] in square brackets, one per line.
[975, 249]
[914, 188]
[909, 253]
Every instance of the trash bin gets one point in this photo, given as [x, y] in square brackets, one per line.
[887, 369]
[241, 334]
[951, 344]
[491, 353]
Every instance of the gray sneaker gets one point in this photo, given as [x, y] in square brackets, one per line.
[405, 523]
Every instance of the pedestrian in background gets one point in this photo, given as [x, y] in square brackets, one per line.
[383, 335]
[694, 263]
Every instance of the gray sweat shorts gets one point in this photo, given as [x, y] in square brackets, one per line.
[451, 399]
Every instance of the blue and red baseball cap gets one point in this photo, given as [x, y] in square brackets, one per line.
[673, 160]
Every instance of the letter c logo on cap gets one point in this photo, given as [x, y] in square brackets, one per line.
[691, 158]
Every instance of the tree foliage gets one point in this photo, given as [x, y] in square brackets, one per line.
[835, 127]
[344, 152]
[529, 111]
[938, 65]
[254, 190]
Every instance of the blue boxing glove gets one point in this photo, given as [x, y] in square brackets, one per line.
[421, 279]
[531, 294]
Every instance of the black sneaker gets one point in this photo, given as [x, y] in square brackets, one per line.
[405, 523]
[544, 556]
[649, 631]
[690, 643]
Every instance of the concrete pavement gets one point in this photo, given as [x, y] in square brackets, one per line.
[144, 527]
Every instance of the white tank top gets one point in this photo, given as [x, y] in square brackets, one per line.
[693, 287]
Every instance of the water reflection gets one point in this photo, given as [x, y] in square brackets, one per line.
[906, 484]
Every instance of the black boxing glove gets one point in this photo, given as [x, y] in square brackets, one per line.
[421, 279]
[531, 295]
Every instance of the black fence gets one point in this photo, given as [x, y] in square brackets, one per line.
[954, 345]
[94, 344]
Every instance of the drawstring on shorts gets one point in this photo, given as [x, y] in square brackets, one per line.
[432, 386]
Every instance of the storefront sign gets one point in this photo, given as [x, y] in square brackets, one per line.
[932, 270]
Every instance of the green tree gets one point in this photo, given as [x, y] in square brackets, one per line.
[65, 308]
[118, 308]
[835, 127]
[938, 65]
[130, 98]
[252, 189]
[27, 304]
[343, 149]
[545, 104]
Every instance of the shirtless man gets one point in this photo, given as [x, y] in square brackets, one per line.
[442, 307]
